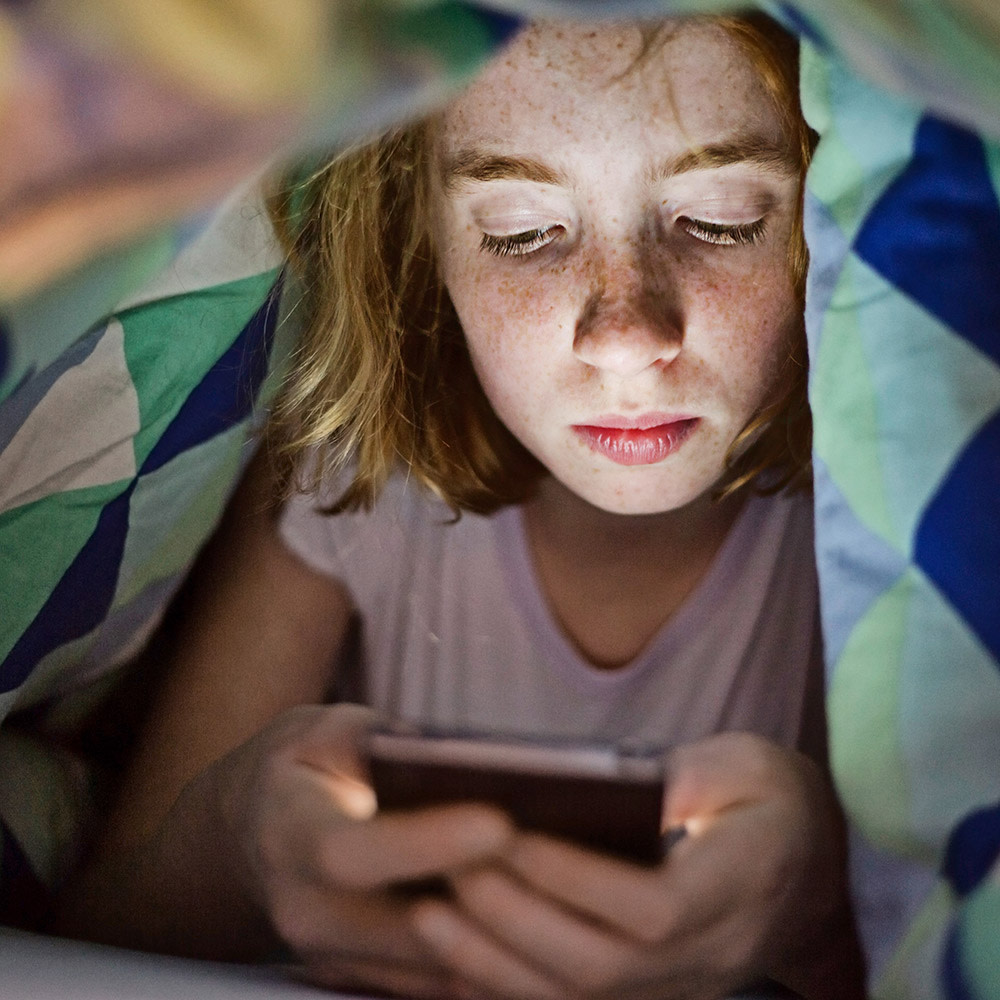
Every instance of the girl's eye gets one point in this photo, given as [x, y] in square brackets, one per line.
[518, 244]
[723, 234]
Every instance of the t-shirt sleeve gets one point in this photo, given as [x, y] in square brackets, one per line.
[362, 549]
[309, 534]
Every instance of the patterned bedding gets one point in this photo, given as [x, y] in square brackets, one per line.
[142, 328]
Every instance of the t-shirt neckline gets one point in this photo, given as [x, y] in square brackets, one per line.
[693, 614]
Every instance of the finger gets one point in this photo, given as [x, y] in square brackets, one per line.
[399, 846]
[335, 740]
[322, 746]
[630, 899]
[710, 777]
[677, 931]
[315, 923]
[350, 796]
[591, 958]
[476, 957]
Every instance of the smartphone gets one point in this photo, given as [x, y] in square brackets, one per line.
[604, 797]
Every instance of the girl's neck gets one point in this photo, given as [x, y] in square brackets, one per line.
[612, 580]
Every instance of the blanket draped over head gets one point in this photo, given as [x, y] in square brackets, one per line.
[141, 332]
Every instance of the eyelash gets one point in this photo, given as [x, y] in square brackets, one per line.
[517, 244]
[716, 233]
[720, 234]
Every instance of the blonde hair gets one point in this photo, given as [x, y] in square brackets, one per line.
[382, 376]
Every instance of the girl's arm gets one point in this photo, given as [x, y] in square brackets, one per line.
[245, 824]
[259, 635]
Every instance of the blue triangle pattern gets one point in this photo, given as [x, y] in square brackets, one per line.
[80, 600]
[500, 24]
[856, 566]
[18, 406]
[973, 849]
[957, 543]
[828, 250]
[227, 393]
[793, 19]
[931, 232]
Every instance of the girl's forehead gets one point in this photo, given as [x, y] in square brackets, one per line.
[565, 77]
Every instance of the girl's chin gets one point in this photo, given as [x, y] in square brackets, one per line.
[655, 488]
[630, 500]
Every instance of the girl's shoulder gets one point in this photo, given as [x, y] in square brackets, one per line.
[406, 518]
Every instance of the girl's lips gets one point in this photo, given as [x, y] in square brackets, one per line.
[637, 445]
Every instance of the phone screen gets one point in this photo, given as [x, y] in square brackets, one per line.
[603, 797]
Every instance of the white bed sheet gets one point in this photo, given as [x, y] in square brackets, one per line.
[39, 967]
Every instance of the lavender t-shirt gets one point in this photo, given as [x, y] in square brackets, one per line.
[456, 631]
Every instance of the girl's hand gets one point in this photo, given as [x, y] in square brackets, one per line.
[756, 890]
[324, 865]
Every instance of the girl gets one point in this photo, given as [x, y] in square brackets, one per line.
[567, 307]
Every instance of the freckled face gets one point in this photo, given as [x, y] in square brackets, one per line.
[614, 237]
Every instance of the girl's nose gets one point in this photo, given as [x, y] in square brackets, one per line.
[625, 335]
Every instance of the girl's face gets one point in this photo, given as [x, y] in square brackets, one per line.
[614, 236]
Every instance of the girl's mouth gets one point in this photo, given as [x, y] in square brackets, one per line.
[637, 445]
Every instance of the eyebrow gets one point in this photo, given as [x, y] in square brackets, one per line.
[754, 149]
[475, 166]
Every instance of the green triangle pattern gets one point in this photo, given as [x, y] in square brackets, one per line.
[166, 366]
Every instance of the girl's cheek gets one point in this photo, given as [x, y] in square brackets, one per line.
[509, 302]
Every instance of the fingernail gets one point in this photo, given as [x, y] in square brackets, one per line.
[353, 797]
